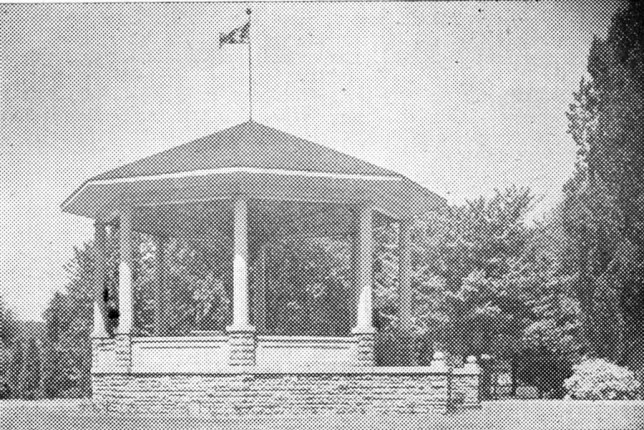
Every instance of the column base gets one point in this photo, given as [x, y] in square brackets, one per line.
[363, 330]
[365, 348]
[123, 352]
[241, 344]
[99, 328]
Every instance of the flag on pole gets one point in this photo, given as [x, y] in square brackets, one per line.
[236, 36]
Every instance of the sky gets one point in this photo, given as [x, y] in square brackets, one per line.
[461, 97]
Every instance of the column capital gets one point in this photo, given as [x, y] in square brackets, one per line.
[358, 206]
[235, 197]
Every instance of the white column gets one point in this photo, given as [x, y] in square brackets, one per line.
[159, 289]
[364, 323]
[353, 263]
[240, 267]
[404, 269]
[125, 272]
[99, 327]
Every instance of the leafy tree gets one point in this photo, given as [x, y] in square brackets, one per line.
[54, 380]
[15, 367]
[474, 248]
[193, 284]
[309, 287]
[8, 326]
[30, 373]
[8, 334]
[464, 269]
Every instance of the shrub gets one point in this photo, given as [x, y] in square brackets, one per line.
[598, 379]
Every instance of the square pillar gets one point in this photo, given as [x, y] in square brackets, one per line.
[125, 273]
[364, 332]
[100, 323]
[241, 335]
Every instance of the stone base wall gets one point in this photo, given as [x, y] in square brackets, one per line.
[235, 385]
[214, 395]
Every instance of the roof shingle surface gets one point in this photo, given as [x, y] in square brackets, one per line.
[250, 145]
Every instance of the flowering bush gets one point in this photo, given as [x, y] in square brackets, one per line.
[598, 379]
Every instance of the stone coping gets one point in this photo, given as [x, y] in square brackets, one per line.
[224, 337]
[214, 338]
[282, 338]
[318, 370]
[466, 370]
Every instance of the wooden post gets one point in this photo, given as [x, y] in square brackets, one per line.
[125, 272]
[100, 311]
[160, 327]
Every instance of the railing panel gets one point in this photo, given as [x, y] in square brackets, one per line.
[179, 354]
[304, 351]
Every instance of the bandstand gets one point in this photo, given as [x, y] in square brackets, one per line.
[218, 186]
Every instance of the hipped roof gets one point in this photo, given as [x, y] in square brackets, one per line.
[254, 159]
[249, 144]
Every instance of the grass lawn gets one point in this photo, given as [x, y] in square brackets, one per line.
[509, 414]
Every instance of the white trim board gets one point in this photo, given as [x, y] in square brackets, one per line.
[229, 170]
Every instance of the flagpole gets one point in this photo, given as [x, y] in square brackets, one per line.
[250, 69]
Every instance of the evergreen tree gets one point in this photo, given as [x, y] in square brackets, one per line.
[602, 210]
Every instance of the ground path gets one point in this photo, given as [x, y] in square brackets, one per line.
[512, 414]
